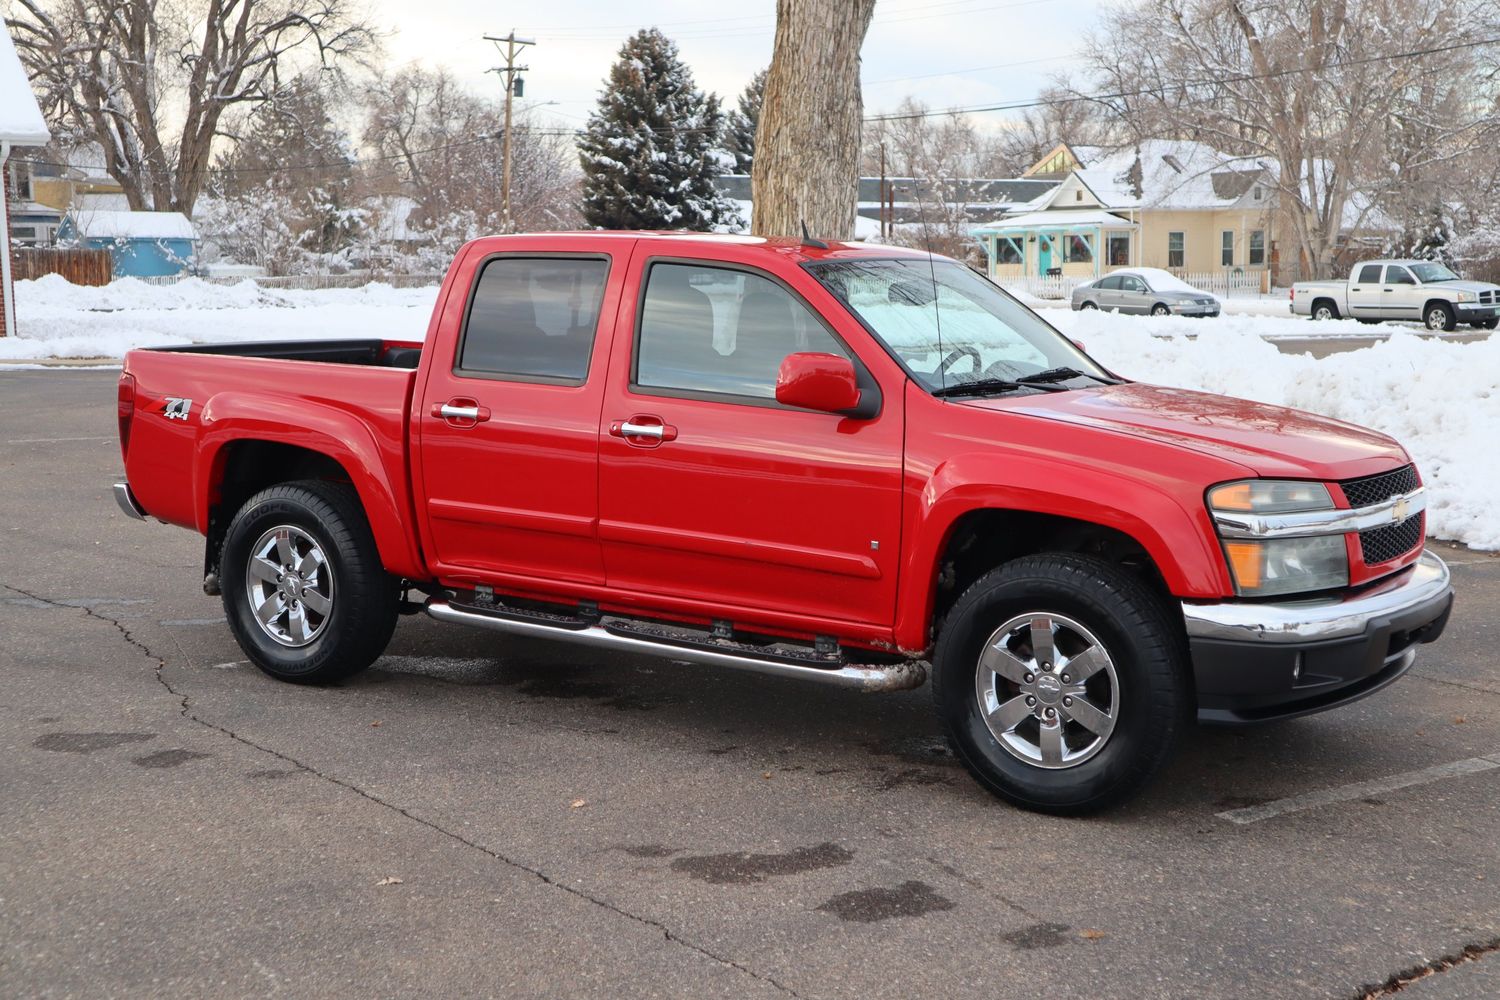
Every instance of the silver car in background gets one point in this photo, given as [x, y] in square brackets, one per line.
[1145, 291]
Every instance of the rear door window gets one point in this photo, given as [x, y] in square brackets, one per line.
[720, 331]
[1369, 274]
[533, 319]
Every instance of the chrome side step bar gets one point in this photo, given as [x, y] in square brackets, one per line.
[875, 678]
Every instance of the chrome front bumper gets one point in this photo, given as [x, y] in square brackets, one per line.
[1425, 584]
[1255, 662]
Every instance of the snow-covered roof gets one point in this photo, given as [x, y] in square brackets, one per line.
[1173, 175]
[21, 122]
[87, 204]
[111, 225]
[1067, 218]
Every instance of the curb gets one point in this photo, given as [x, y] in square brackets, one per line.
[27, 363]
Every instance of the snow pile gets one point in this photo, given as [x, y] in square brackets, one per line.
[58, 320]
[1440, 399]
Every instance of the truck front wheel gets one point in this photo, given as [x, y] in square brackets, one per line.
[1439, 316]
[1061, 683]
[304, 589]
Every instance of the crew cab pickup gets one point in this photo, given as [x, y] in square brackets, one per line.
[841, 463]
[1420, 291]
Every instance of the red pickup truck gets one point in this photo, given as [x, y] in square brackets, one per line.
[837, 462]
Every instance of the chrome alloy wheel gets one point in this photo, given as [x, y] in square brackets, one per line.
[1437, 318]
[1047, 690]
[289, 585]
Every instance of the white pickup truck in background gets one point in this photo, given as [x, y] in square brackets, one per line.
[1419, 291]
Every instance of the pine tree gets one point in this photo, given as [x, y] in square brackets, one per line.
[740, 134]
[652, 149]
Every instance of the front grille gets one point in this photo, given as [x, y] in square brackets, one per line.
[1373, 489]
[1488, 298]
[1380, 545]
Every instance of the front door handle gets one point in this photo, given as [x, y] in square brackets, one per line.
[643, 430]
[461, 412]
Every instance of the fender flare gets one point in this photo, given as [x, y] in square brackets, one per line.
[375, 468]
[1178, 539]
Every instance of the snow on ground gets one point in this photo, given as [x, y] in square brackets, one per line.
[56, 319]
[1440, 399]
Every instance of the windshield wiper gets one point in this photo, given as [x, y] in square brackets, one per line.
[1060, 375]
[979, 387]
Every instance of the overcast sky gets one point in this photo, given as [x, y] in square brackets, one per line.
[945, 52]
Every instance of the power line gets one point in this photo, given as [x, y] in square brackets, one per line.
[1231, 78]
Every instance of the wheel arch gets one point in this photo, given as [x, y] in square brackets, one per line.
[972, 527]
[1331, 303]
[235, 463]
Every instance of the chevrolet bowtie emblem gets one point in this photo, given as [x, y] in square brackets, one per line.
[1398, 512]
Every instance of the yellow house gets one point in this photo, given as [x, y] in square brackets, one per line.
[1181, 206]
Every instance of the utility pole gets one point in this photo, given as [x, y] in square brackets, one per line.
[882, 192]
[509, 47]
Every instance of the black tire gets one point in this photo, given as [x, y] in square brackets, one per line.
[363, 599]
[1161, 309]
[1150, 663]
[1088, 305]
[1323, 309]
[1487, 324]
[1439, 316]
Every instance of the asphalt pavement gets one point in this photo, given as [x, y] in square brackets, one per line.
[477, 816]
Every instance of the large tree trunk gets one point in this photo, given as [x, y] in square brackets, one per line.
[806, 168]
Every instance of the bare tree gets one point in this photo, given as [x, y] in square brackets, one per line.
[1057, 118]
[151, 81]
[1330, 93]
[437, 142]
[806, 169]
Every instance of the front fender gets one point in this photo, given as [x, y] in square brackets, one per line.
[373, 458]
[1178, 536]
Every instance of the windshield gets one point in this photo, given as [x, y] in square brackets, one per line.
[967, 331]
[1428, 273]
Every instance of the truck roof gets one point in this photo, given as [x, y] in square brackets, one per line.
[780, 246]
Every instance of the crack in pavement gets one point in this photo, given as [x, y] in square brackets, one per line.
[185, 710]
[1401, 980]
[1458, 684]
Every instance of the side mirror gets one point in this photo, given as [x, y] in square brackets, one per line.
[824, 382]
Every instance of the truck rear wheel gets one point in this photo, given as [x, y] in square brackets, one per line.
[1324, 310]
[1061, 683]
[304, 589]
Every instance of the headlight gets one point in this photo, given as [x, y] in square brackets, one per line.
[1262, 567]
[1467, 297]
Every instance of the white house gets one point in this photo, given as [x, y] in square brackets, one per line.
[21, 124]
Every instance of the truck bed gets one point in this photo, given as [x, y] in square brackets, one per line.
[375, 353]
[193, 406]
